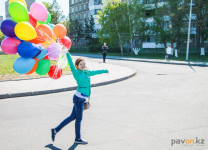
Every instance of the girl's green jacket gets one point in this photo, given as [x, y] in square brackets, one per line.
[83, 77]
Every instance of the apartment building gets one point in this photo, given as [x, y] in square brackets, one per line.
[1, 19]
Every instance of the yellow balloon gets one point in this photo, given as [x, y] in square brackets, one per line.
[37, 24]
[25, 31]
[23, 1]
[54, 38]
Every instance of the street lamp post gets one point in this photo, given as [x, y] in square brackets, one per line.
[187, 51]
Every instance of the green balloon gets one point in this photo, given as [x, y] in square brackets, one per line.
[48, 18]
[41, 22]
[43, 67]
[18, 11]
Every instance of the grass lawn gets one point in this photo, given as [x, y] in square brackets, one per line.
[7, 72]
[181, 57]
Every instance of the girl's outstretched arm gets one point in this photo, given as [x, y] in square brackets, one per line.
[95, 72]
[73, 69]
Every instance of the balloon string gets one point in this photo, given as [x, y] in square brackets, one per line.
[47, 35]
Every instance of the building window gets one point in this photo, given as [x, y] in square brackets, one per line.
[80, 7]
[94, 11]
[76, 9]
[98, 2]
[147, 1]
[72, 10]
[148, 39]
[80, 16]
[84, 6]
[72, 1]
[84, 16]
[166, 25]
[75, 1]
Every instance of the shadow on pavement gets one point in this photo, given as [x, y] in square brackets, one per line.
[55, 148]
[52, 147]
[73, 147]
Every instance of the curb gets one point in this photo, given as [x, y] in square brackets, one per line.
[4, 96]
[29, 78]
[126, 59]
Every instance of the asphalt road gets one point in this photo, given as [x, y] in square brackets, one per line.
[157, 109]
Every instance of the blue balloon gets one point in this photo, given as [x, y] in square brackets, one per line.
[5, 37]
[7, 27]
[23, 65]
[18, 39]
[51, 25]
[28, 49]
[42, 54]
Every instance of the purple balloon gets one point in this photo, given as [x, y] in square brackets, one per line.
[7, 27]
[54, 50]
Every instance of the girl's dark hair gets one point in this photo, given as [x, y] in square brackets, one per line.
[78, 61]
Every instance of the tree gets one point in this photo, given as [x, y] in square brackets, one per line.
[135, 20]
[112, 21]
[204, 24]
[76, 31]
[1, 36]
[160, 29]
[177, 11]
[200, 9]
[89, 29]
[66, 23]
[55, 10]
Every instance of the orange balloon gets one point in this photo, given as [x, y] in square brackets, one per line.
[47, 43]
[59, 31]
[46, 30]
[34, 67]
[40, 38]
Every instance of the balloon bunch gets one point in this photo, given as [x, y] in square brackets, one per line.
[31, 35]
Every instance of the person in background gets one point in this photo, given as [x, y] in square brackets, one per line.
[169, 52]
[104, 51]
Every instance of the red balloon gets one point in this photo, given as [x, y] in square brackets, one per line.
[46, 57]
[32, 20]
[55, 72]
[40, 38]
[66, 41]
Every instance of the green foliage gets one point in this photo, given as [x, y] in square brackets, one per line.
[55, 10]
[96, 46]
[89, 29]
[113, 24]
[1, 36]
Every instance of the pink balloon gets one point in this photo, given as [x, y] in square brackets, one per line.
[38, 11]
[9, 45]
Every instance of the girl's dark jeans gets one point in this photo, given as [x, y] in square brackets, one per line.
[76, 115]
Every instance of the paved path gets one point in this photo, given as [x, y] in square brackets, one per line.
[159, 104]
[203, 64]
[39, 86]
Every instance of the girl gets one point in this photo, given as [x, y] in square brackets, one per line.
[82, 76]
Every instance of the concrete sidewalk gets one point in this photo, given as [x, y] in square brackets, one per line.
[202, 64]
[18, 88]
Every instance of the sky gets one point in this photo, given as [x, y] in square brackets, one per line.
[63, 3]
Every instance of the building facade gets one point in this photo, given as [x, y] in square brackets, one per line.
[1, 19]
[81, 9]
